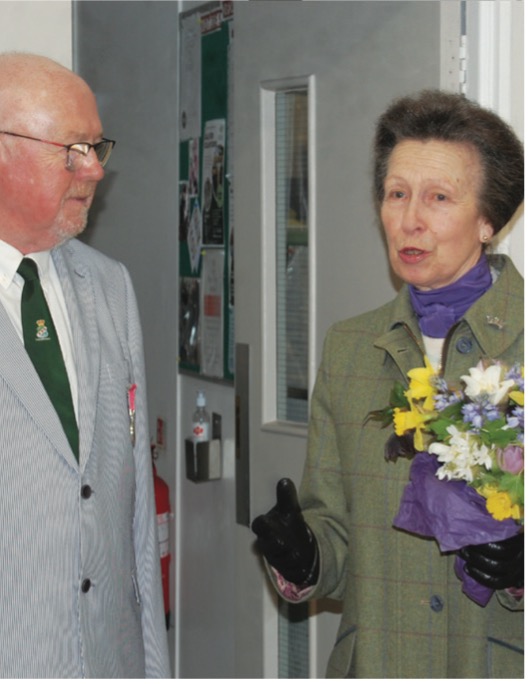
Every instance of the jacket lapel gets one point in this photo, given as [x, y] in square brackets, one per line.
[496, 319]
[403, 348]
[76, 282]
[402, 341]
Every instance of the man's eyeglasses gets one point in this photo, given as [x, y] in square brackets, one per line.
[76, 151]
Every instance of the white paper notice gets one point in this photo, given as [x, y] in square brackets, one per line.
[212, 280]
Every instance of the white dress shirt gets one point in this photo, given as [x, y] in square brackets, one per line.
[11, 285]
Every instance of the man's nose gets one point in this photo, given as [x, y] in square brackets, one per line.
[88, 166]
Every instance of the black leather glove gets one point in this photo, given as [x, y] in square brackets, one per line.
[285, 540]
[498, 565]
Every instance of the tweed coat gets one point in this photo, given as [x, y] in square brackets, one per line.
[404, 614]
[80, 589]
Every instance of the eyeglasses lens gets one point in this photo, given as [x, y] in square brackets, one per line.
[79, 152]
[103, 150]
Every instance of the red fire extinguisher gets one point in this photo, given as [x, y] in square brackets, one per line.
[163, 511]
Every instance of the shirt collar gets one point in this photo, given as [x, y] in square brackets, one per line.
[10, 259]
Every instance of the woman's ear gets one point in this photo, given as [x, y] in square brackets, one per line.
[486, 231]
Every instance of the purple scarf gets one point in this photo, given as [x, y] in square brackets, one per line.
[438, 310]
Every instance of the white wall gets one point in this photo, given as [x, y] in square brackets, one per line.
[40, 26]
[495, 30]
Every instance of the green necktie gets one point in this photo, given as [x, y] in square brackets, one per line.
[42, 344]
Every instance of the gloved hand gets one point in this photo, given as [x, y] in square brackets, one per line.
[285, 540]
[498, 565]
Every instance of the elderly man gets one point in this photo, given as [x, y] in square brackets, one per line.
[80, 590]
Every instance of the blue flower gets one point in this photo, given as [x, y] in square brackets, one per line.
[516, 417]
[444, 397]
[476, 413]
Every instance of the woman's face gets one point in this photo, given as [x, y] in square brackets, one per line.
[430, 212]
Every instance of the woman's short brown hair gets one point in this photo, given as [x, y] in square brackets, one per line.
[438, 115]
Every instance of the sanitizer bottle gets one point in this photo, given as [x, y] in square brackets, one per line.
[201, 420]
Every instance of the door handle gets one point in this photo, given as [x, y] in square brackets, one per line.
[242, 467]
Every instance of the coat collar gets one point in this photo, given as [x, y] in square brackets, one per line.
[495, 320]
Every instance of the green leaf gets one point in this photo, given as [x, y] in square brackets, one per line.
[484, 478]
[397, 396]
[384, 416]
[514, 485]
[452, 413]
[495, 433]
[439, 427]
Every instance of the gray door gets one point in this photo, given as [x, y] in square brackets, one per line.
[309, 80]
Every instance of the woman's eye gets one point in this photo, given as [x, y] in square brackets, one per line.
[440, 197]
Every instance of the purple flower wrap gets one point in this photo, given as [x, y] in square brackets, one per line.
[452, 513]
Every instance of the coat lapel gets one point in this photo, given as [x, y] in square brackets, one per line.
[402, 341]
[401, 345]
[495, 319]
[78, 290]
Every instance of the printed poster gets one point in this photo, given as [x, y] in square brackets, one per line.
[213, 177]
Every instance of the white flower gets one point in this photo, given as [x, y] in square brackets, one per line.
[460, 456]
[487, 382]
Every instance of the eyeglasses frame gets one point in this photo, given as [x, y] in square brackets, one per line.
[79, 147]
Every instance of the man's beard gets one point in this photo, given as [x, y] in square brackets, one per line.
[63, 233]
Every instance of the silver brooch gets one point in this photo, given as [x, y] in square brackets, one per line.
[496, 321]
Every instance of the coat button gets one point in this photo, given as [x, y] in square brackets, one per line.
[464, 345]
[85, 586]
[86, 491]
[436, 603]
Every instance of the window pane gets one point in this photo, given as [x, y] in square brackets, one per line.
[292, 255]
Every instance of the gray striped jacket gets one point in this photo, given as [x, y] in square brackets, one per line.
[80, 592]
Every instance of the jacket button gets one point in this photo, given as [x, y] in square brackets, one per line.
[436, 603]
[85, 586]
[464, 345]
[86, 491]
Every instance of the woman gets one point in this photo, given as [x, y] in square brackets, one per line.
[448, 177]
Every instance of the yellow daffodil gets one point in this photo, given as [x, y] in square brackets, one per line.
[421, 385]
[411, 420]
[501, 507]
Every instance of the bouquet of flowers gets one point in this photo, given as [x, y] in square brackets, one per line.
[467, 478]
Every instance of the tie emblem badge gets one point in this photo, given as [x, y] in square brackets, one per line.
[41, 333]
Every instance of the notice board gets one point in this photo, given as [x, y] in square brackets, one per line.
[206, 306]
